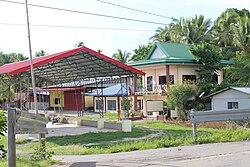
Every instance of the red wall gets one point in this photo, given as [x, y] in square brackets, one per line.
[73, 100]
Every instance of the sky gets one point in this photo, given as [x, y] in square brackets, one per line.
[13, 38]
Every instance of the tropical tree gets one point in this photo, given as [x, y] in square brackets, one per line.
[209, 57]
[190, 30]
[239, 73]
[99, 50]
[179, 98]
[161, 35]
[40, 53]
[121, 56]
[141, 52]
[79, 44]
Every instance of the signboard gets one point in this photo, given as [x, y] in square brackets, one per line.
[155, 106]
[29, 123]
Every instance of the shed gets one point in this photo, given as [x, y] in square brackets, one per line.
[230, 98]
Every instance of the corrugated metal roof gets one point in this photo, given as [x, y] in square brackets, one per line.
[112, 91]
[242, 89]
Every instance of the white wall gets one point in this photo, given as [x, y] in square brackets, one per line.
[157, 54]
[219, 101]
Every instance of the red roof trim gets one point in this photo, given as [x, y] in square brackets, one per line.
[18, 67]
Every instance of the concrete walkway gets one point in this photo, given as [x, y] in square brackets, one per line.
[235, 154]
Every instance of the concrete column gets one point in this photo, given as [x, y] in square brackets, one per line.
[100, 123]
[126, 126]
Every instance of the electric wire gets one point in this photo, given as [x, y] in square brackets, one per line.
[87, 13]
[137, 10]
[76, 27]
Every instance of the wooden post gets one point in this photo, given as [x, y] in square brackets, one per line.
[11, 137]
[135, 96]
[194, 132]
[167, 76]
[118, 108]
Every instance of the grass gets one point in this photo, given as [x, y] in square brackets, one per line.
[108, 116]
[26, 162]
[111, 142]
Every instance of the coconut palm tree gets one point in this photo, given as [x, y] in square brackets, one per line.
[161, 35]
[121, 56]
[190, 30]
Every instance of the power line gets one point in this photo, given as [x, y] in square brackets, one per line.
[87, 13]
[137, 10]
[76, 27]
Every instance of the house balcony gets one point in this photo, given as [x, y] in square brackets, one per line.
[152, 90]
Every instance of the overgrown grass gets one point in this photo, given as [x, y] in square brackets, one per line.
[111, 142]
[26, 162]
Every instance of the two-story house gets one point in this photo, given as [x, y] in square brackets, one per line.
[166, 65]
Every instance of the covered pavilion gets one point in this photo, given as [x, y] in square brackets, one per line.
[76, 65]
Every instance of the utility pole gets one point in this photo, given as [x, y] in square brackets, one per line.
[32, 72]
[31, 62]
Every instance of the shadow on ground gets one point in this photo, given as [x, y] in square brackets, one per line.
[83, 164]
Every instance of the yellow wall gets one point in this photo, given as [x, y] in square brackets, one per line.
[56, 94]
[89, 101]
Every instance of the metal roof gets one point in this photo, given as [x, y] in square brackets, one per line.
[112, 91]
[72, 65]
[240, 89]
[174, 54]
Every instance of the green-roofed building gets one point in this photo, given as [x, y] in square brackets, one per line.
[166, 65]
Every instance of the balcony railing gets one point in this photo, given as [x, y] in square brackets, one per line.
[152, 90]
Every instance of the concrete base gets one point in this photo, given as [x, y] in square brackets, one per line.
[100, 123]
[79, 121]
[22, 136]
[62, 117]
[126, 126]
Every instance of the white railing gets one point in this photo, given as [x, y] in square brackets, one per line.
[152, 90]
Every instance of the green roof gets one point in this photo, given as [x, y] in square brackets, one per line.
[173, 50]
[172, 54]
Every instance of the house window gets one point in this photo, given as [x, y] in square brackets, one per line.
[162, 79]
[140, 105]
[232, 105]
[189, 78]
[56, 100]
[150, 83]
[99, 104]
[112, 105]
[149, 113]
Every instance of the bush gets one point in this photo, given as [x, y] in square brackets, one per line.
[3, 128]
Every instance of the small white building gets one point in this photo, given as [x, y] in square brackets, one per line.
[230, 98]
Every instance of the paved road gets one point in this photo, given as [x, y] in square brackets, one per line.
[235, 154]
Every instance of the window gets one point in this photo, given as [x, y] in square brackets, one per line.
[189, 78]
[56, 100]
[99, 104]
[150, 83]
[112, 105]
[139, 104]
[162, 79]
[232, 105]
[150, 113]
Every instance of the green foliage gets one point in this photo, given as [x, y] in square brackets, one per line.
[121, 56]
[3, 128]
[192, 30]
[41, 153]
[40, 53]
[141, 52]
[239, 73]
[209, 57]
[179, 97]
[26, 162]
